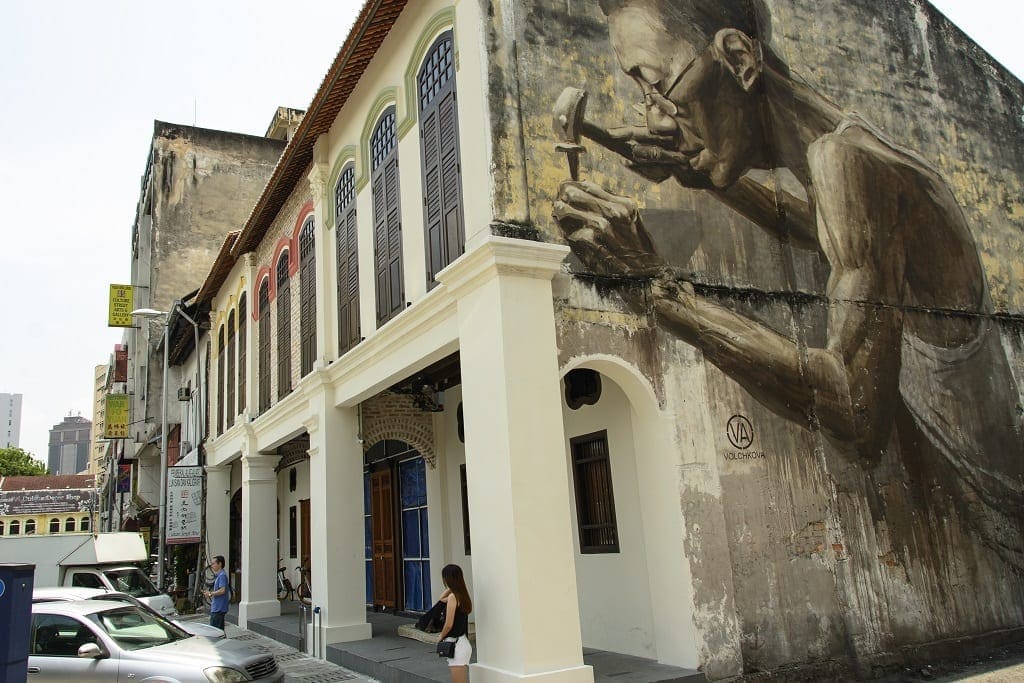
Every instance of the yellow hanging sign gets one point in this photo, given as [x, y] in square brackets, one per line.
[115, 421]
[120, 310]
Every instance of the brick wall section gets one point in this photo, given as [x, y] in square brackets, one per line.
[394, 416]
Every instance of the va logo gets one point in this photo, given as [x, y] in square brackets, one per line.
[739, 432]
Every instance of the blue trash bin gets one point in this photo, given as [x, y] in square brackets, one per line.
[15, 620]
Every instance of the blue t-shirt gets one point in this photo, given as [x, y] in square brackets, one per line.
[219, 603]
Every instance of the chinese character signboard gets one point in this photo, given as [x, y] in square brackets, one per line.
[184, 504]
[119, 313]
[115, 424]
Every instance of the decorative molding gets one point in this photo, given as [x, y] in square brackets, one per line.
[387, 97]
[442, 21]
[502, 256]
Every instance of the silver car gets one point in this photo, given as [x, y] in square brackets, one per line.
[96, 640]
[65, 594]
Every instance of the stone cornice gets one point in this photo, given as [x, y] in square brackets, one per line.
[502, 256]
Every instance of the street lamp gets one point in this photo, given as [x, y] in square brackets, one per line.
[152, 313]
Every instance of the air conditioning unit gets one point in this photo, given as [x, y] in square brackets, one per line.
[184, 394]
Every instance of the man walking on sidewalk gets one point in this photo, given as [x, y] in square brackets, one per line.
[219, 595]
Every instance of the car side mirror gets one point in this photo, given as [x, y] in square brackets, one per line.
[91, 651]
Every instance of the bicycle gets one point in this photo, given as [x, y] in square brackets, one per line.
[303, 591]
[285, 590]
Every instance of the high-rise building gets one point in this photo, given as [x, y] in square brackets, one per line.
[70, 444]
[10, 420]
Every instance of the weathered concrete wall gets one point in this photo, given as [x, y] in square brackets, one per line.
[832, 515]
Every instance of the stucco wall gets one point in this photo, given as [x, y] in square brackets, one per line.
[804, 546]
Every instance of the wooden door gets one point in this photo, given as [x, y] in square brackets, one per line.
[383, 536]
[304, 546]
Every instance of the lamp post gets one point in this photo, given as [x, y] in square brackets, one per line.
[151, 313]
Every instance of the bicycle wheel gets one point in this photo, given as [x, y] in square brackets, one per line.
[305, 597]
[284, 588]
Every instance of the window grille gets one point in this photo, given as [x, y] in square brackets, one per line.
[284, 328]
[307, 296]
[348, 261]
[595, 501]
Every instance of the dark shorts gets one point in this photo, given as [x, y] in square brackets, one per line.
[217, 619]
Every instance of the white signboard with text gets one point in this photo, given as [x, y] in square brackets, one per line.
[184, 504]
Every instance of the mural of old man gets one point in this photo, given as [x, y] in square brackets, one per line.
[911, 359]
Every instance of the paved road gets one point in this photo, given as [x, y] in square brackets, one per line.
[298, 667]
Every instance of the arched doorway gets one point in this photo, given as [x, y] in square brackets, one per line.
[235, 534]
[395, 516]
[627, 519]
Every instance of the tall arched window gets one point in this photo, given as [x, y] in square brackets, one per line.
[1, 527]
[284, 327]
[242, 368]
[229, 379]
[220, 380]
[54, 526]
[307, 296]
[15, 528]
[83, 524]
[387, 219]
[69, 524]
[439, 131]
[30, 526]
[348, 260]
[264, 355]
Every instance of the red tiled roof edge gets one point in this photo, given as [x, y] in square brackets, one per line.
[369, 30]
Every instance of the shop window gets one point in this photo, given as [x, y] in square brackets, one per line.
[30, 526]
[14, 529]
[595, 501]
[54, 526]
[69, 524]
[83, 524]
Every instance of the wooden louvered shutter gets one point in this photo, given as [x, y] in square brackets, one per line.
[442, 185]
[229, 378]
[348, 262]
[264, 356]
[242, 369]
[307, 297]
[220, 381]
[284, 328]
[387, 223]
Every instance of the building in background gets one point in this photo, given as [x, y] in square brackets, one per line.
[61, 504]
[70, 445]
[99, 408]
[10, 420]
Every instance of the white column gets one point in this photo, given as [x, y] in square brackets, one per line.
[336, 521]
[218, 510]
[524, 577]
[326, 324]
[259, 558]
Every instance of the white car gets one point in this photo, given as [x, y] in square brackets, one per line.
[69, 594]
[88, 641]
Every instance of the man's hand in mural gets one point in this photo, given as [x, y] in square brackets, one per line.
[605, 231]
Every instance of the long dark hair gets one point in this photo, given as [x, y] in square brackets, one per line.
[453, 579]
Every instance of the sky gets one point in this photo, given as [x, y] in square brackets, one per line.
[82, 85]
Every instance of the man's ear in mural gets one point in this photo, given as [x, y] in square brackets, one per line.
[740, 54]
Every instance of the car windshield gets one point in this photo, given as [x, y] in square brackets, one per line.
[135, 629]
[131, 581]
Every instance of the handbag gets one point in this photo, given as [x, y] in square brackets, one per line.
[446, 647]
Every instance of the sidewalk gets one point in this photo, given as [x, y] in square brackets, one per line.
[298, 667]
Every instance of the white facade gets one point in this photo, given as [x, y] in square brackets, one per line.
[10, 420]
